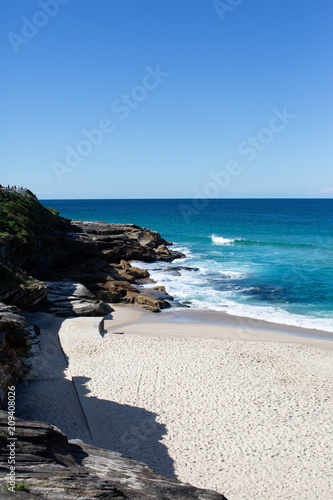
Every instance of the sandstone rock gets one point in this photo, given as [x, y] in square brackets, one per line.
[126, 276]
[130, 296]
[149, 301]
[158, 292]
[25, 297]
[109, 296]
[135, 272]
[66, 298]
[119, 286]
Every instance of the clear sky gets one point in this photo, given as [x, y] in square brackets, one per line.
[167, 98]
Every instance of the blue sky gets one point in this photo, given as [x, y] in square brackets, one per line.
[159, 98]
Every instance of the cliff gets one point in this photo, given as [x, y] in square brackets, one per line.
[37, 244]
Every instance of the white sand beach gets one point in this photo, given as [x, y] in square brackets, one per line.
[244, 411]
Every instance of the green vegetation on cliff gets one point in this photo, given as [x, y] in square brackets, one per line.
[24, 218]
[10, 279]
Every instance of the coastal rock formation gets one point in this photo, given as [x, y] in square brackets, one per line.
[27, 296]
[66, 298]
[147, 300]
[55, 468]
[14, 339]
[122, 241]
[102, 255]
[41, 245]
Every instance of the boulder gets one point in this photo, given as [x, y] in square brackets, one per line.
[136, 272]
[147, 300]
[109, 296]
[119, 286]
[158, 292]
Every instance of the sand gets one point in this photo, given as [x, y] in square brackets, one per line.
[241, 410]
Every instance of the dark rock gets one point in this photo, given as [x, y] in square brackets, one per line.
[13, 339]
[172, 272]
[158, 292]
[119, 287]
[58, 469]
[109, 296]
[10, 319]
[181, 268]
[25, 297]
[66, 298]
[33, 330]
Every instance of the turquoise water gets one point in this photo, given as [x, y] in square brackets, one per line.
[265, 259]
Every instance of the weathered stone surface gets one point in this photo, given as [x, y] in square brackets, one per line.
[110, 296]
[147, 300]
[25, 297]
[58, 469]
[122, 241]
[66, 298]
[99, 254]
[158, 292]
[13, 339]
[135, 272]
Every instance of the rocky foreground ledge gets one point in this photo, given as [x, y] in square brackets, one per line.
[58, 469]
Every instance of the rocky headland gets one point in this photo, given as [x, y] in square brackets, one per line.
[71, 268]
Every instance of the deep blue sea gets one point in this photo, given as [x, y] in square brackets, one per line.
[265, 259]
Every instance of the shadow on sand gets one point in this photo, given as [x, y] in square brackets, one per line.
[47, 395]
[129, 430]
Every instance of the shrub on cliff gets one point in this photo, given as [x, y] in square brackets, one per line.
[24, 218]
[10, 279]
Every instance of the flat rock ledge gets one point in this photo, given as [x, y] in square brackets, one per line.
[67, 298]
[58, 469]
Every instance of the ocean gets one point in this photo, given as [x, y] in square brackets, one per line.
[268, 259]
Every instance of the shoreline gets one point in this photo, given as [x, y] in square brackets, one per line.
[217, 325]
[315, 324]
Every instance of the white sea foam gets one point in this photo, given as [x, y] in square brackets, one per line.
[197, 288]
[219, 240]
